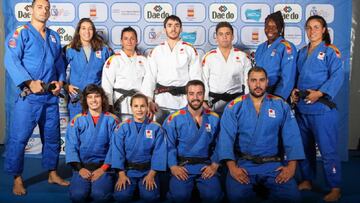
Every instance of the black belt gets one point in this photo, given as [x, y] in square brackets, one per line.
[125, 93]
[192, 160]
[258, 159]
[302, 94]
[175, 91]
[138, 166]
[224, 96]
[92, 166]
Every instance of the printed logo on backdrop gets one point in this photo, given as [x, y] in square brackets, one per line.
[62, 12]
[331, 32]
[116, 34]
[252, 35]
[201, 52]
[97, 12]
[126, 12]
[66, 33]
[293, 34]
[103, 32]
[254, 12]
[212, 35]
[193, 34]
[191, 12]
[157, 12]
[154, 35]
[22, 12]
[292, 13]
[327, 11]
[223, 12]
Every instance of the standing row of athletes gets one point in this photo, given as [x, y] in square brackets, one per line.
[316, 71]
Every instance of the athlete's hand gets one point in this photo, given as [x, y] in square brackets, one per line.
[57, 89]
[122, 181]
[97, 174]
[35, 86]
[73, 89]
[153, 107]
[179, 172]
[149, 181]
[239, 174]
[209, 171]
[85, 174]
[287, 172]
[205, 105]
[294, 97]
[313, 96]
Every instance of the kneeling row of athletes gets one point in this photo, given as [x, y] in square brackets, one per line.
[191, 142]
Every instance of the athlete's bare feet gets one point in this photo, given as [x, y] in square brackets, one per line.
[333, 196]
[18, 187]
[305, 185]
[54, 178]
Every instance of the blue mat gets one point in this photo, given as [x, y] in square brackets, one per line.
[38, 189]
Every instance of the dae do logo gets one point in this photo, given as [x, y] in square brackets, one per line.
[223, 12]
[292, 13]
[154, 12]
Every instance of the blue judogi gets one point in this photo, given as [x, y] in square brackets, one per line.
[29, 56]
[255, 134]
[87, 143]
[185, 139]
[321, 70]
[84, 72]
[144, 146]
[279, 61]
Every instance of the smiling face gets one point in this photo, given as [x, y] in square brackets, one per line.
[40, 11]
[195, 96]
[86, 32]
[139, 108]
[271, 31]
[94, 102]
[315, 30]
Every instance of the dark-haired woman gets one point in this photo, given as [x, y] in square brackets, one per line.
[87, 148]
[123, 74]
[139, 152]
[319, 79]
[86, 55]
[277, 56]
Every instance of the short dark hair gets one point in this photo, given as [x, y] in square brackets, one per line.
[194, 83]
[94, 89]
[224, 24]
[174, 18]
[139, 96]
[257, 69]
[33, 2]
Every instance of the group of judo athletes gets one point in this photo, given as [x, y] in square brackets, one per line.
[191, 142]
[171, 65]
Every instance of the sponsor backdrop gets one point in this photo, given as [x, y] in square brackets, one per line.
[199, 21]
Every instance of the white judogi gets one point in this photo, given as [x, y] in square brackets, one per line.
[222, 76]
[171, 68]
[121, 71]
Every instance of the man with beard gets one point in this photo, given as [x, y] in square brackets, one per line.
[172, 64]
[192, 132]
[260, 143]
[32, 60]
